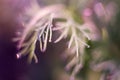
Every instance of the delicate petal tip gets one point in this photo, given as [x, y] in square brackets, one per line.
[15, 39]
[36, 59]
[18, 56]
[56, 41]
[50, 40]
[43, 50]
[88, 46]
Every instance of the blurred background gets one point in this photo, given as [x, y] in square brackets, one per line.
[102, 59]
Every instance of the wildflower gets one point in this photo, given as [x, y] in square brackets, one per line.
[40, 29]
